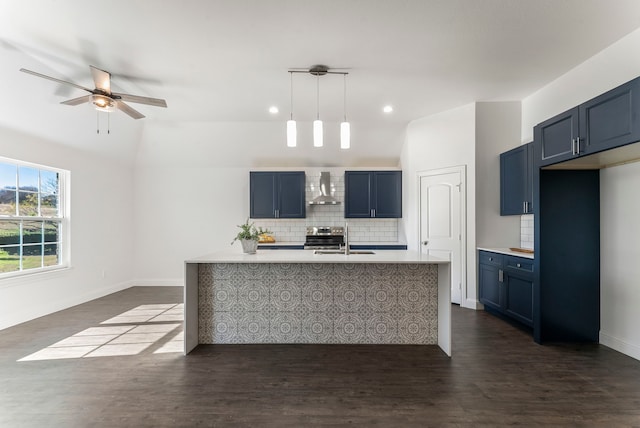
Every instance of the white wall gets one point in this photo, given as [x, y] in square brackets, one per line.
[619, 248]
[439, 141]
[620, 252]
[101, 232]
[182, 213]
[497, 130]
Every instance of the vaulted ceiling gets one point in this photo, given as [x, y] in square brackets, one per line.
[221, 64]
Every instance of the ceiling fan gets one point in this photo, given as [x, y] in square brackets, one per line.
[101, 97]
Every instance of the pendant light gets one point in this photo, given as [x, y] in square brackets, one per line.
[291, 124]
[318, 131]
[317, 124]
[345, 128]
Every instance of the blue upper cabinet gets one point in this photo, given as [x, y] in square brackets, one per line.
[611, 119]
[557, 137]
[607, 121]
[516, 181]
[277, 194]
[373, 194]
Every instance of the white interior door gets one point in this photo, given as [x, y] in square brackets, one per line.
[441, 214]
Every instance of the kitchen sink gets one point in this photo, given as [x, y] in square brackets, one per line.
[355, 252]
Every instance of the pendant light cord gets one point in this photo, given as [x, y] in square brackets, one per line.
[345, 96]
[318, 96]
[291, 92]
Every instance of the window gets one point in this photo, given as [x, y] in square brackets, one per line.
[32, 218]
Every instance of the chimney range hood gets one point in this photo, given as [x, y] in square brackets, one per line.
[325, 197]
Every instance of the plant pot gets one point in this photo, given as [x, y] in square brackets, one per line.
[249, 246]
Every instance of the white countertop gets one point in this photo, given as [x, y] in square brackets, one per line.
[299, 243]
[508, 252]
[308, 256]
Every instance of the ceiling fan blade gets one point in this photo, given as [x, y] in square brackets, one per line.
[24, 70]
[157, 102]
[101, 78]
[76, 101]
[128, 110]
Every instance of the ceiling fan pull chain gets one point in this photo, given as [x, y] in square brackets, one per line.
[97, 122]
[108, 123]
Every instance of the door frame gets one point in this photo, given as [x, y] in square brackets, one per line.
[462, 170]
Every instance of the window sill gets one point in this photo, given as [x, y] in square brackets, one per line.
[18, 278]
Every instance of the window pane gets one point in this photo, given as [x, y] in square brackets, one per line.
[49, 205]
[32, 232]
[51, 255]
[49, 182]
[31, 256]
[9, 259]
[9, 233]
[7, 189]
[7, 176]
[29, 178]
[27, 204]
[51, 231]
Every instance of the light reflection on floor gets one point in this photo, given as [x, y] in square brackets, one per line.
[145, 327]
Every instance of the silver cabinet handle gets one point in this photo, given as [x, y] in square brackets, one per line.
[490, 259]
[578, 145]
[500, 275]
[425, 242]
[518, 265]
[524, 207]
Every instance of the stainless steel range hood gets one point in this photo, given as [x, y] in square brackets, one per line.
[325, 197]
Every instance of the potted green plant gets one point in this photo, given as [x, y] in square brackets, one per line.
[249, 236]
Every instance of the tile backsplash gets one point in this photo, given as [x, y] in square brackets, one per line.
[526, 231]
[361, 230]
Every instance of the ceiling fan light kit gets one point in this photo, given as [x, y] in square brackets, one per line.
[103, 103]
[345, 128]
[101, 98]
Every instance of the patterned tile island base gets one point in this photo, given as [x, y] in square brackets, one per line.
[346, 303]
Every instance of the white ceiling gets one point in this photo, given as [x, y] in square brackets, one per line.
[221, 64]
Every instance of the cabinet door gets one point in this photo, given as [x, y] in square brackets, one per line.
[611, 119]
[262, 201]
[387, 188]
[489, 285]
[556, 137]
[357, 194]
[518, 299]
[514, 181]
[291, 195]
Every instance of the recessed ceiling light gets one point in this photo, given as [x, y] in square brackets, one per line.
[387, 109]
[273, 110]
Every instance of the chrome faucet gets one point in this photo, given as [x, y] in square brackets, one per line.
[346, 239]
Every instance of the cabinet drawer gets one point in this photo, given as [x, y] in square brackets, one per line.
[492, 259]
[518, 264]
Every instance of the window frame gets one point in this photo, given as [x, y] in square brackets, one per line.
[62, 220]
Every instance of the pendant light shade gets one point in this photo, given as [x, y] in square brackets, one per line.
[292, 134]
[345, 135]
[317, 133]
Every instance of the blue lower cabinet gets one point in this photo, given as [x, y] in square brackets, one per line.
[505, 285]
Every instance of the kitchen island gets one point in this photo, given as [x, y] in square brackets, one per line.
[297, 296]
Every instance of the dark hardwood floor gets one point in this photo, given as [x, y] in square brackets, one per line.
[497, 376]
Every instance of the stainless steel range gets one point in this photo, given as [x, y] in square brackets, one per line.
[324, 237]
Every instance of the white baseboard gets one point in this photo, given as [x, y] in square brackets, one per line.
[472, 304]
[28, 313]
[158, 282]
[630, 349]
